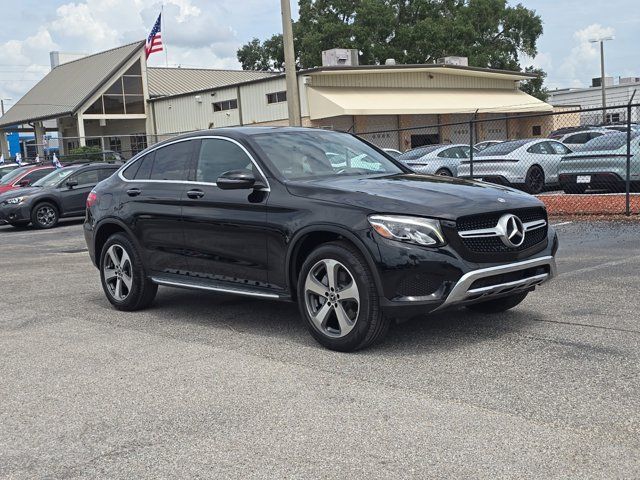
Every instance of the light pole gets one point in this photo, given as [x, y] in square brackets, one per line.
[602, 85]
[293, 98]
[2, 100]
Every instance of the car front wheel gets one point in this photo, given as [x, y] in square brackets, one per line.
[44, 215]
[122, 275]
[338, 298]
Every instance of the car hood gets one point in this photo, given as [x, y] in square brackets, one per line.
[18, 192]
[414, 194]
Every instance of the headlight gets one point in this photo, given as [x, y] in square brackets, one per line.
[421, 231]
[13, 201]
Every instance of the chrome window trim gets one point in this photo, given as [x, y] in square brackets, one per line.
[189, 182]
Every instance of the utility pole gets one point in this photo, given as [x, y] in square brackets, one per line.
[293, 98]
[602, 85]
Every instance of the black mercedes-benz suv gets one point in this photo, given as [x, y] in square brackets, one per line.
[318, 217]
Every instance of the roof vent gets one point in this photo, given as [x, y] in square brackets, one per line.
[390, 61]
[340, 57]
[458, 61]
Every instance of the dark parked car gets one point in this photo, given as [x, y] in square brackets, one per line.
[62, 193]
[265, 212]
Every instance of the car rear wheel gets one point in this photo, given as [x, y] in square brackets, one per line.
[122, 275]
[338, 298]
[444, 172]
[499, 304]
[534, 181]
[574, 189]
[44, 215]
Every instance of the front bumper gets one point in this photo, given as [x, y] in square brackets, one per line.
[453, 280]
[14, 213]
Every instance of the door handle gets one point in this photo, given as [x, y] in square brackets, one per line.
[195, 194]
[134, 192]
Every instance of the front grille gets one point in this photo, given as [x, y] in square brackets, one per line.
[495, 244]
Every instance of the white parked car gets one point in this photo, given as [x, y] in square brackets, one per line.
[529, 164]
[577, 139]
[393, 152]
[436, 159]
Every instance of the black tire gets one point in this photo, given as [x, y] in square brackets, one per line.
[368, 324]
[20, 224]
[45, 215]
[142, 290]
[574, 189]
[444, 172]
[534, 181]
[498, 305]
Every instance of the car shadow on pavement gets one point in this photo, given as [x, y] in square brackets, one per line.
[445, 330]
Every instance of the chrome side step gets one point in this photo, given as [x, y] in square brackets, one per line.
[197, 284]
[462, 291]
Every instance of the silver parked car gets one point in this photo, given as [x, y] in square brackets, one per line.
[436, 159]
[529, 164]
[393, 152]
[576, 140]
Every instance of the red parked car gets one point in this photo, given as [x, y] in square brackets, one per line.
[24, 176]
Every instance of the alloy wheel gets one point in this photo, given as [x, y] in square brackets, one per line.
[332, 298]
[118, 272]
[46, 216]
[535, 180]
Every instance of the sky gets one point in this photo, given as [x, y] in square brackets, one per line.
[207, 33]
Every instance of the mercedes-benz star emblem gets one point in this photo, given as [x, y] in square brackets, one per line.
[511, 230]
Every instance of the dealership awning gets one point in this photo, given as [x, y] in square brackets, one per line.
[327, 102]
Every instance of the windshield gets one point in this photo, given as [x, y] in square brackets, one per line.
[11, 176]
[310, 154]
[54, 177]
[502, 148]
[418, 152]
[612, 141]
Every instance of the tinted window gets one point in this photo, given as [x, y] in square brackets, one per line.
[578, 138]
[559, 148]
[593, 135]
[611, 141]
[502, 148]
[418, 152]
[218, 156]
[144, 167]
[171, 162]
[37, 174]
[88, 177]
[105, 173]
[537, 148]
[55, 177]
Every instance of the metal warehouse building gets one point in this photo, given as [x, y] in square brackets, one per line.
[113, 100]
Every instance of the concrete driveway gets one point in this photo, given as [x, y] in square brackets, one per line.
[210, 386]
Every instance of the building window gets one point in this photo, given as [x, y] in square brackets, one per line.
[93, 142]
[138, 143]
[115, 144]
[123, 97]
[613, 117]
[277, 97]
[536, 130]
[225, 105]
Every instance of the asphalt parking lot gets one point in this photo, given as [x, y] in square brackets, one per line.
[211, 386]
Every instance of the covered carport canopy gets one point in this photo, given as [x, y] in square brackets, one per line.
[325, 102]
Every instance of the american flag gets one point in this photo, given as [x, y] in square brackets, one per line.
[154, 40]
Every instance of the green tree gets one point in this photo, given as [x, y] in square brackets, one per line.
[490, 32]
[535, 86]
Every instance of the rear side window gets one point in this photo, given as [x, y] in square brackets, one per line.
[171, 162]
[218, 156]
[37, 174]
[578, 138]
[105, 173]
[88, 177]
[143, 171]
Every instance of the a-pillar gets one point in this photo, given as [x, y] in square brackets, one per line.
[81, 139]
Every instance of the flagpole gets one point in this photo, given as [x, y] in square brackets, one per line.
[164, 24]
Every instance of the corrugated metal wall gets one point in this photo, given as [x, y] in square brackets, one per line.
[409, 80]
[255, 108]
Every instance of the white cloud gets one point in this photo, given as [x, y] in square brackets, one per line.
[582, 62]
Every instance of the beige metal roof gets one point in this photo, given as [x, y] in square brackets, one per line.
[63, 90]
[327, 102]
[174, 81]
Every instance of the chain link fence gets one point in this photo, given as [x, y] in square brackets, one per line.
[576, 161]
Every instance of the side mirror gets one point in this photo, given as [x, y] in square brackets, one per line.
[72, 183]
[236, 180]
[24, 183]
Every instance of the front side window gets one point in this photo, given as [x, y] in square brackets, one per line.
[36, 175]
[171, 162]
[88, 177]
[502, 148]
[55, 177]
[298, 155]
[218, 156]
